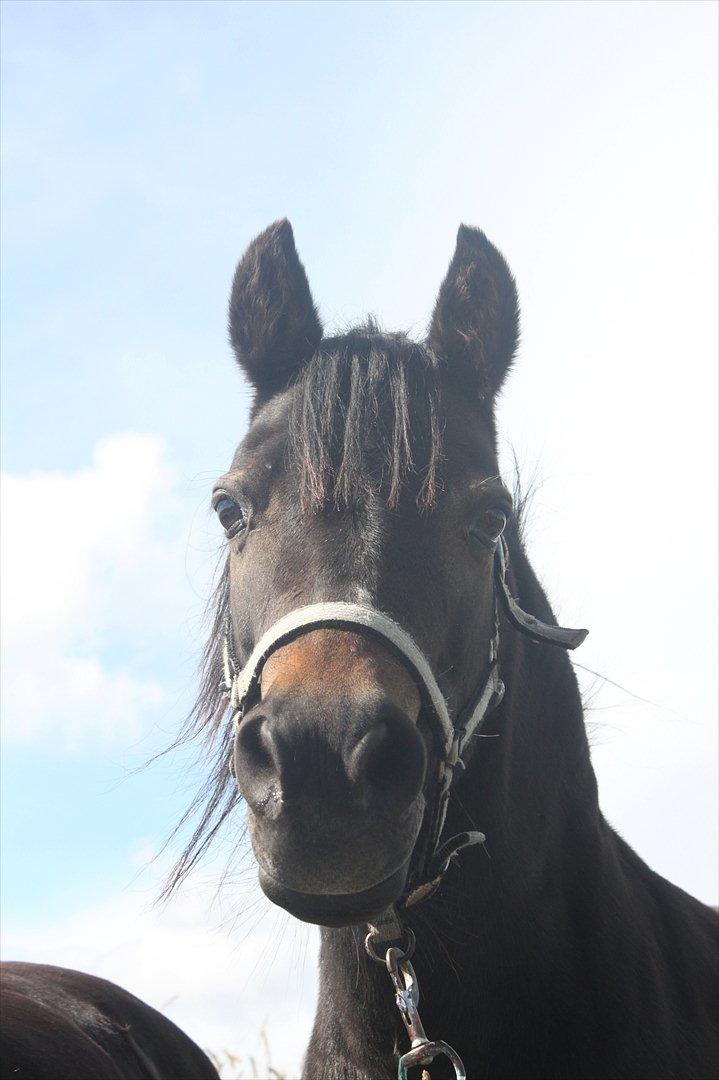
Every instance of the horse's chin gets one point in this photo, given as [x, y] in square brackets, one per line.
[336, 909]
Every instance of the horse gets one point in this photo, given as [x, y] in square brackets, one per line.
[59, 1024]
[385, 685]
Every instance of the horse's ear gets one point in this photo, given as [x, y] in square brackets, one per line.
[274, 326]
[475, 325]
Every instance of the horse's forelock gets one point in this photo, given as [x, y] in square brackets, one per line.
[365, 416]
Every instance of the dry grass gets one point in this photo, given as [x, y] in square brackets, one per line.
[232, 1067]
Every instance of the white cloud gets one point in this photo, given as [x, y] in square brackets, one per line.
[83, 557]
[76, 697]
[192, 961]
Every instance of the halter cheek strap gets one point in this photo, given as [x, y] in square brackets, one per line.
[539, 631]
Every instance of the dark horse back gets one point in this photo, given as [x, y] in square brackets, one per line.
[59, 1024]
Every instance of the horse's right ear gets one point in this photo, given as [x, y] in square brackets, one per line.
[274, 326]
[475, 326]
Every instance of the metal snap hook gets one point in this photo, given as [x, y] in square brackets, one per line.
[423, 1050]
[425, 1055]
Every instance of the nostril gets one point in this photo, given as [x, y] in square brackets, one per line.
[256, 766]
[254, 744]
[389, 761]
[368, 761]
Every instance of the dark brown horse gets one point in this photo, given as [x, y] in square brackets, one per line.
[374, 553]
[58, 1024]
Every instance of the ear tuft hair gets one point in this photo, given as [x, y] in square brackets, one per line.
[274, 326]
[475, 325]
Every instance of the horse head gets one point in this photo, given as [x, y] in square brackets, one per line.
[369, 478]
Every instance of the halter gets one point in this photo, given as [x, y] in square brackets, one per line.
[241, 686]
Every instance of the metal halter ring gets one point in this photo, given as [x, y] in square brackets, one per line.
[406, 952]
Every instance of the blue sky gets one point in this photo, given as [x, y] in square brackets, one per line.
[144, 145]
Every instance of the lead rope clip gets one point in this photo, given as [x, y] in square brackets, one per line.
[423, 1051]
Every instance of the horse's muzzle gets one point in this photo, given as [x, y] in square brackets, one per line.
[337, 910]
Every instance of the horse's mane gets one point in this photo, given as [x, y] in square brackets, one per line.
[207, 721]
[365, 416]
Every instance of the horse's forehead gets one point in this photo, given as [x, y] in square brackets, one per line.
[468, 439]
[265, 443]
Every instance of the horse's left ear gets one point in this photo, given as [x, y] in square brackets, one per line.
[274, 326]
[475, 325]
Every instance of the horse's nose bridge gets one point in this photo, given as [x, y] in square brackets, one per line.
[327, 664]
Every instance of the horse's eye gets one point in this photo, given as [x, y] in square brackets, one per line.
[488, 525]
[232, 517]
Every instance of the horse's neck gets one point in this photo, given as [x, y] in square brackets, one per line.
[498, 917]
